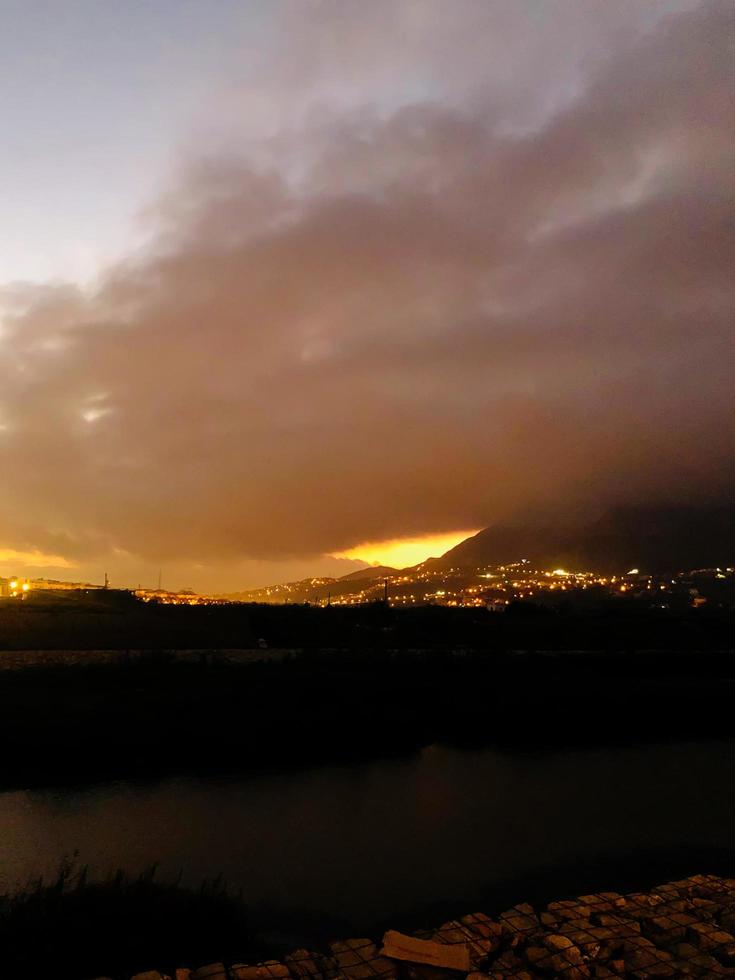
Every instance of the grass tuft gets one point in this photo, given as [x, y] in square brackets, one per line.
[73, 927]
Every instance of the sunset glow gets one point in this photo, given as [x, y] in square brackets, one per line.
[344, 272]
[33, 559]
[403, 552]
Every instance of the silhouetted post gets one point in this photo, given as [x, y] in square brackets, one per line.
[385, 591]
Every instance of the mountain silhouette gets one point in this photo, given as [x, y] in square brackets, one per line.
[654, 539]
[376, 571]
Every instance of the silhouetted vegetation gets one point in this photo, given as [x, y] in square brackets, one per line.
[117, 620]
[71, 927]
[158, 714]
[588, 620]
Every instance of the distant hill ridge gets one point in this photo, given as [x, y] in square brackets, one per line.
[362, 574]
[654, 539]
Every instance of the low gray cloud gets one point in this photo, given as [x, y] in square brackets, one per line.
[431, 311]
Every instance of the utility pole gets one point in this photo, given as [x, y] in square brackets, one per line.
[107, 581]
[385, 591]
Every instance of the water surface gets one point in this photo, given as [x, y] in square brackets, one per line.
[366, 842]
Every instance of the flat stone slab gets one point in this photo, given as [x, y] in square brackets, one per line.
[455, 956]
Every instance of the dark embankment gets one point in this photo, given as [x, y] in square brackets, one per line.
[156, 714]
[364, 681]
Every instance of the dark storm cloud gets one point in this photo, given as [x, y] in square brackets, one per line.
[418, 318]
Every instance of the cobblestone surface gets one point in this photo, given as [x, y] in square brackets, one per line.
[681, 929]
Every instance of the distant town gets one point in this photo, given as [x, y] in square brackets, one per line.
[493, 587]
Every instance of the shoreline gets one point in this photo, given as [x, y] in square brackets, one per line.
[681, 928]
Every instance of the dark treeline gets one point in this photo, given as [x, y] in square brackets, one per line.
[119, 621]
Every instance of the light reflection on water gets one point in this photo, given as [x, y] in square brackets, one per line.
[365, 840]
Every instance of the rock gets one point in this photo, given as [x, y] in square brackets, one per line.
[711, 939]
[508, 963]
[602, 902]
[305, 965]
[150, 975]
[215, 971]
[692, 962]
[681, 929]
[704, 906]
[268, 970]
[358, 959]
[556, 942]
[597, 943]
[667, 929]
[398, 946]
[480, 945]
[624, 928]
[482, 924]
[570, 909]
[615, 968]
[521, 920]
[566, 958]
[539, 957]
[573, 925]
[643, 959]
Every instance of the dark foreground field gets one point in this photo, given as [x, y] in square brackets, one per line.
[361, 683]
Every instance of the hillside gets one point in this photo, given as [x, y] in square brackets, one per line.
[363, 574]
[659, 539]
[655, 540]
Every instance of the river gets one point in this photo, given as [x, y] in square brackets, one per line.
[362, 843]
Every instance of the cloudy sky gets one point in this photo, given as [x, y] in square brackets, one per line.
[281, 278]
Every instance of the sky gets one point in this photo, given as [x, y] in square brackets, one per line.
[281, 279]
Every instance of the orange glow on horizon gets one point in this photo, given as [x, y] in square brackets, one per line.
[33, 559]
[404, 552]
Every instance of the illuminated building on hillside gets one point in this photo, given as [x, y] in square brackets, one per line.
[14, 587]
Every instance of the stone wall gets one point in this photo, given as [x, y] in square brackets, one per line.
[682, 929]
